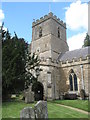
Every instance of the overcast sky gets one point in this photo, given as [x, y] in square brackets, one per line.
[18, 16]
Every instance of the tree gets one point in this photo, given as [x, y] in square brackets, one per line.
[31, 67]
[86, 41]
[13, 65]
[17, 64]
[3, 32]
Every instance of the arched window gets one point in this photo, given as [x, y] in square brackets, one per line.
[40, 32]
[58, 32]
[73, 81]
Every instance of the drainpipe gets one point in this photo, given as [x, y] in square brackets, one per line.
[82, 76]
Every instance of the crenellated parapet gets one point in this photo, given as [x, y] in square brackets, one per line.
[75, 61]
[50, 15]
[49, 62]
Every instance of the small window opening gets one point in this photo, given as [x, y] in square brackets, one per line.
[40, 32]
[58, 32]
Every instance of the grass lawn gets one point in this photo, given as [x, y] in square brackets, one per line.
[81, 104]
[12, 110]
[55, 111]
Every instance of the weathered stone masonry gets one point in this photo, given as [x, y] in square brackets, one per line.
[49, 42]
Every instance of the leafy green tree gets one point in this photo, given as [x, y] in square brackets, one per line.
[86, 41]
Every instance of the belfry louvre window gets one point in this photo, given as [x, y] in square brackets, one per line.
[40, 32]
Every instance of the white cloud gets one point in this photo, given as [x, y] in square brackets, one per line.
[77, 16]
[76, 41]
[1, 17]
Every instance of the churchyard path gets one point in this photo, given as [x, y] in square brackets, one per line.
[76, 109]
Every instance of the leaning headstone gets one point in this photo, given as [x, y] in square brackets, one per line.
[27, 112]
[41, 109]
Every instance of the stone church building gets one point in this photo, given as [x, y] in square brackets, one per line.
[63, 71]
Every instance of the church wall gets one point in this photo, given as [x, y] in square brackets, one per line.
[42, 46]
[55, 76]
[56, 79]
[46, 29]
[58, 46]
[50, 77]
[64, 73]
[88, 78]
[64, 82]
[54, 30]
[46, 79]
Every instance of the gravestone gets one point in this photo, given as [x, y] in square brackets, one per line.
[41, 109]
[89, 96]
[29, 96]
[27, 112]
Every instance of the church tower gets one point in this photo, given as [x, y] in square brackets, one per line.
[49, 36]
[49, 41]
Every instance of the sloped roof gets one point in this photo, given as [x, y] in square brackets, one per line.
[76, 54]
